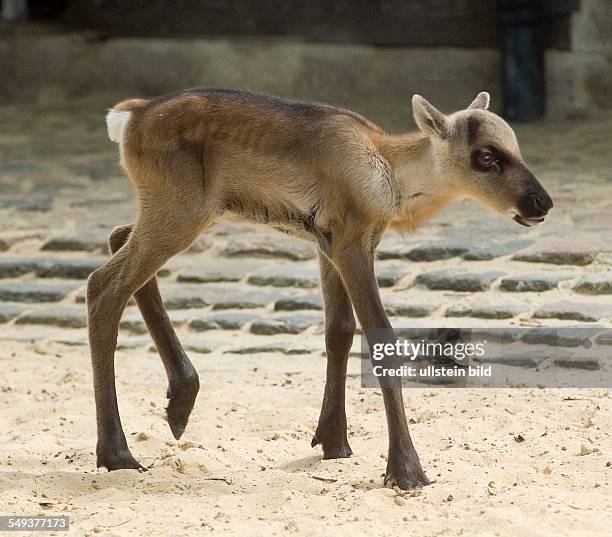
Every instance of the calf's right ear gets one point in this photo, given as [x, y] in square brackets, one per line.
[428, 118]
[481, 102]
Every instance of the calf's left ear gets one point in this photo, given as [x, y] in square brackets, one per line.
[481, 102]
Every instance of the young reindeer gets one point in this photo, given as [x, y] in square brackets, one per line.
[322, 173]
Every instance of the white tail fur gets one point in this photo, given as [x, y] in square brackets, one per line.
[116, 123]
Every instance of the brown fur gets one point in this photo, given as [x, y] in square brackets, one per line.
[322, 173]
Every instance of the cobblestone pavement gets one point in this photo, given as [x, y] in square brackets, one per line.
[61, 192]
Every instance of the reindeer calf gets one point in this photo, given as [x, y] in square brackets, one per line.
[321, 173]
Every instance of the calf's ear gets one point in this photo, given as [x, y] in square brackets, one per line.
[481, 102]
[428, 118]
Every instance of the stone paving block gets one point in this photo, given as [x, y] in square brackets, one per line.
[435, 251]
[179, 299]
[188, 296]
[199, 345]
[599, 283]
[575, 311]
[10, 311]
[181, 318]
[590, 364]
[533, 282]
[42, 205]
[222, 321]
[561, 336]
[13, 267]
[485, 311]
[309, 302]
[396, 247]
[164, 272]
[53, 187]
[249, 300]
[49, 267]
[29, 335]
[72, 341]
[67, 267]
[203, 346]
[85, 241]
[571, 252]
[500, 334]
[201, 244]
[287, 276]
[389, 275]
[133, 322]
[604, 337]
[480, 228]
[12, 170]
[281, 246]
[9, 238]
[133, 342]
[288, 324]
[35, 292]
[410, 309]
[458, 280]
[97, 170]
[487, 252]
[284, 347]
[94, 203]
[225, 230]
[211, 270]
[80, 297]
[62, 315]
[516, 358]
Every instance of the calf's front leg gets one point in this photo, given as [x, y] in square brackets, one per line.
[356, 265]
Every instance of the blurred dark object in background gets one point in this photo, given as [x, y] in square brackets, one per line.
[462, 23]
[14, 10]
[45, 9]
[527, 27]
[523, 66]
[17, 10]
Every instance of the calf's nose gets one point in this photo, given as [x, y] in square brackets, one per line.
[536, 204]
[542, 201]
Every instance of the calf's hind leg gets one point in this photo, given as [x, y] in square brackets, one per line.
[339, 332]
[183, 381]
[152, 242]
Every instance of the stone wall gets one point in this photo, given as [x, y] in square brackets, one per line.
[51, 67]
[45, 65]
[592, 52]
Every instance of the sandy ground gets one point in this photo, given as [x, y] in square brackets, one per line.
[505, 462]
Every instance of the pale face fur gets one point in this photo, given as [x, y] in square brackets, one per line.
[479, 158]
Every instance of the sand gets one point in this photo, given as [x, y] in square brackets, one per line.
[505, 462]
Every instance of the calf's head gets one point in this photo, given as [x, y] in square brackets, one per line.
[478, 157]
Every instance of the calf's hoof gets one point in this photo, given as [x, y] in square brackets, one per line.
[181, 399]
[333, 449]
[405, 474]
[117, 459]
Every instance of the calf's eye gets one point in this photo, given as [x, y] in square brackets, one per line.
[485, 159]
